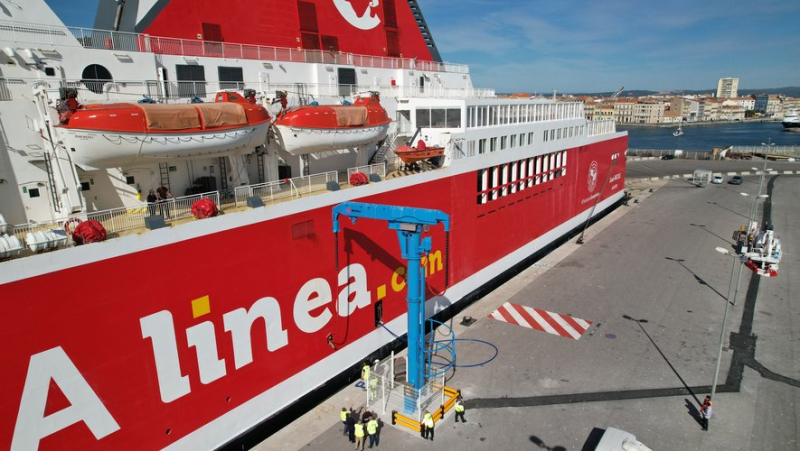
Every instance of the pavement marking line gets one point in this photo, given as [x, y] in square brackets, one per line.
[553, 323]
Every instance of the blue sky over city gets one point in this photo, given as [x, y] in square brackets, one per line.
[582, 46]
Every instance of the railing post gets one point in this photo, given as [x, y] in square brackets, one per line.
[443, 396]
[383, 392]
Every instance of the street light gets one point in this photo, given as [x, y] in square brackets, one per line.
[752, 216]
[724, 251]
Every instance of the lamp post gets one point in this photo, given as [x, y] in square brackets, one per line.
[767, 146]
[724, 251]
[752, 216]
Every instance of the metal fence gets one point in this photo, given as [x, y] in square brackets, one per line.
[286, 188]
[386, 394]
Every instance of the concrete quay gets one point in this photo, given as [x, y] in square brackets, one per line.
[649, 279]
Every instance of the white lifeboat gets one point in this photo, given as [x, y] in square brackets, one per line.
[119, 134]
[319, 128]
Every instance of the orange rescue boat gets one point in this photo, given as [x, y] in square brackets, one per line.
[411, 155]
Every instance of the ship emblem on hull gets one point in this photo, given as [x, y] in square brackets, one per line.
[366, 21]
[591, 180]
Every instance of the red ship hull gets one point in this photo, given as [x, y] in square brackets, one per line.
[187, 337]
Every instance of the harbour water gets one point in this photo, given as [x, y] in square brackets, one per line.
[706, 137]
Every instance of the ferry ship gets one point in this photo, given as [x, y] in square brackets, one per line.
[190, 335]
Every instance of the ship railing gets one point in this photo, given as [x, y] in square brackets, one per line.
[378, 168]
[601, 127]
[286, 188]
[386, 394]
[183, 91]
[121, 219]
[134, 42]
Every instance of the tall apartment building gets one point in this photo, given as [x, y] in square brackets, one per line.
[727, 88]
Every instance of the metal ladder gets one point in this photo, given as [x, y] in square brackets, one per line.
[260, 164]
[163, 168]
[223, 173]
[51, 182]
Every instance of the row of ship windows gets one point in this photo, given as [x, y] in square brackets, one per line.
[488, 115]
[505, 179]
[438, 118]
[494, 144]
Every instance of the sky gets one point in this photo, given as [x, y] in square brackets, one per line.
[598, 46]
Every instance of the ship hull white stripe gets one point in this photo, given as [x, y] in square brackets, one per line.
[220, 430]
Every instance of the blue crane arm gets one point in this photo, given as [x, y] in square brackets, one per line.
[397, 217]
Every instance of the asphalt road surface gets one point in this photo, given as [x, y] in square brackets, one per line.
[654, 287]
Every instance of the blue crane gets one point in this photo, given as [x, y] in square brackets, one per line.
[409, 223]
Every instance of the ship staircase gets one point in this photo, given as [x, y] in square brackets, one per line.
[389, 145]
[423, 28]
[62, 175]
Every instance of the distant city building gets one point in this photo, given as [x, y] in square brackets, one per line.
[671, 117]
[648, 111]
[732, 112]
[774, 107]
[727, 88]
[710, 109]
[623, 111]
[791, 105]
[689, 107]
[748, 103]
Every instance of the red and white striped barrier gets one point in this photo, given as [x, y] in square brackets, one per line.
[533, 318]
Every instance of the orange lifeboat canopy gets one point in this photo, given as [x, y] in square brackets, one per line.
[229, 111]
[366, 111]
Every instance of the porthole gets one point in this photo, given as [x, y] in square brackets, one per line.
[94, 77]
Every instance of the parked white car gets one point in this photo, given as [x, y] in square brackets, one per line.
[618, 440]
[717, 179]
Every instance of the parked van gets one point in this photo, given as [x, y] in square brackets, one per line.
[701, 177]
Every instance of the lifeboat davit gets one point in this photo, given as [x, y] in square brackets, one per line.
[411, 155]
[319, 128]
[119, 134]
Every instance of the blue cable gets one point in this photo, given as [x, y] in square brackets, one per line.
[496, 350]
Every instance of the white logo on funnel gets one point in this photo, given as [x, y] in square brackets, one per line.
[365, 22]
[592, 179]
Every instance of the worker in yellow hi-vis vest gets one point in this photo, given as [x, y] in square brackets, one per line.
[428, 421]
[365, 374]
[372, 430]
[360, 435]
[459, 408]
[343, 416]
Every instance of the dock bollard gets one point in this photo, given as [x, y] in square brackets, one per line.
[394, 421]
